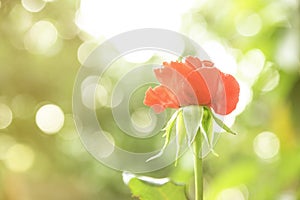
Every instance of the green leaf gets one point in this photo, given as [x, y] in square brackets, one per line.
[145, 190]
[221, 124]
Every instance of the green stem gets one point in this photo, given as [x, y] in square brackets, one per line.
[198, 167]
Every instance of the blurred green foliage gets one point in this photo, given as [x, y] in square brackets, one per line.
[145, 190]
[36, 73]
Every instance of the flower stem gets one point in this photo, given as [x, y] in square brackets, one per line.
[198, 167]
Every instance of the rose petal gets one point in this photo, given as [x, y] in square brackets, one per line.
[197, 63]
[225, 102]
[180, 67]
[160, 98]
[188, 84]
[177, 83]
[193, 82]
[207, 63]
[200, 87]
[193, 62]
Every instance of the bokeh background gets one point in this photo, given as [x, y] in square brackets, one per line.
[44, 42]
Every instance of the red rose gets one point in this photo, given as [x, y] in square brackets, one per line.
[193, 82]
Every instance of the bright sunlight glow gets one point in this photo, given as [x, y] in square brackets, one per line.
[108, 18]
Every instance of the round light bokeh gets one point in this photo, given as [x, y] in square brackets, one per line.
[6, 116]
[266, 145]
[41, 37]
[19, 158]
[248, 24]
[50, 118]
[231, 194]
[33, 5]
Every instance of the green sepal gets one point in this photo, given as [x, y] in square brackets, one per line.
[207, 123]
[180, 133]
[168, 130]
[206, 129]
[192, 116]
[221, 124]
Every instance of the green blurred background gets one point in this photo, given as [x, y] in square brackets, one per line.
[44, 43]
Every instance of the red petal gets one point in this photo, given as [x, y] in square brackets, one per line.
[193, 62]
[197, 63]
[160, 98]
[207, 63]
[194, 82]
[226, 99]
[180, 67]
[188, 84]
[197, 79]
[177, 83]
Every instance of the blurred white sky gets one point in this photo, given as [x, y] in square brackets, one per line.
[108, 18]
